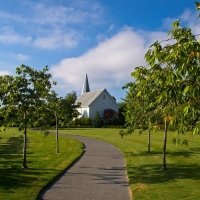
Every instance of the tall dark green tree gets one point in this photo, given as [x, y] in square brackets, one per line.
[69, 107]
[98, 120]
[122, 108]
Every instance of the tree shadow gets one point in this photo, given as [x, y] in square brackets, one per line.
[75, 129]
[183, 153]
[153, 173]
[15, 177]
[11, 172]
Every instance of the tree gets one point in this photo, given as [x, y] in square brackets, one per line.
[54, 106]
[138, 112]
[22, 95]
[121, 115]
[110, 115]
[62, 110]
[170, 85]
[69, 108]
[97, 120]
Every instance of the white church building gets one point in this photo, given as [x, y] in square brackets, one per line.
[94, 101]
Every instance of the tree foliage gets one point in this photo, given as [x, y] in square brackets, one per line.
[169, 87]
[22, 95]
[98, 120]
[122, 106]
[69, 107]
[109, 116]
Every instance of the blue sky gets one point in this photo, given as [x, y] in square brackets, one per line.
[106, 39]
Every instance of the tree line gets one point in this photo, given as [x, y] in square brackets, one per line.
[165, 94]
[28, 99]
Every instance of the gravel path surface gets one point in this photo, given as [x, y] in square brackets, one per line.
[100, 174]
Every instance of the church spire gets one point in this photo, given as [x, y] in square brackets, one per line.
[86, 87]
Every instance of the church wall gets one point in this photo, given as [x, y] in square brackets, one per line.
[102, 102]
[84, 112]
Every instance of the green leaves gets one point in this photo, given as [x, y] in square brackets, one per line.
[170, 85]
[175, 24]
[27, 91]
[197, 5]
[178, 141]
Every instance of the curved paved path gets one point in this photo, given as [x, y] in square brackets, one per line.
[100, 174]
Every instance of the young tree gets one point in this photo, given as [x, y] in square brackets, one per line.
[24, 93]
[59, 111]
[172, 81]
[54, 106]
[139, 112]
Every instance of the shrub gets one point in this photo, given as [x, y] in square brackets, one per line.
[97, 120]
[85, 121]
[110, 116]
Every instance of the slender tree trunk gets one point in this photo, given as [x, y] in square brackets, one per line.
[24, 146]
[149, 141]
[57, 142]
[164, 147]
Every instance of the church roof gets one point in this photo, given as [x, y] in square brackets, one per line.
[86, 87]
[87, 98]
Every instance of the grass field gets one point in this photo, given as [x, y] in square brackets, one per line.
[42, 161]
[147, 179]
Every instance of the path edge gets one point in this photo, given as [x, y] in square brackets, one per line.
[62, 172]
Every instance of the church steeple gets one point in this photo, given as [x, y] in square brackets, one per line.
[86, 87]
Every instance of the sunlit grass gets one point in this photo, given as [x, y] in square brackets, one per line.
[146, 177]
[42, 161]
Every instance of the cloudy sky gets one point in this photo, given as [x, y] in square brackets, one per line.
[106, 39]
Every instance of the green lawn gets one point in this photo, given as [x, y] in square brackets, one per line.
[146, 177]
[42, 161]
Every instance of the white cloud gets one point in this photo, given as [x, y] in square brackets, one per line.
[167, 23]
[77, 12]
[190, 19]
[21, 57]
[8, 36]
[2, 73]
[109, 64]
[51, 26]
[44, 14]
[58, 39]
[13, 17]
[56, 26]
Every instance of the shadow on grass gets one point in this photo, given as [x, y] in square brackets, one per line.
[11, 151]
[75, 129]
[20, 178]
[154, 174]
[182, 153]
[11, 172]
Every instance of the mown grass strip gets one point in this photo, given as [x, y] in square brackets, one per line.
[146, 177]
[42, 161]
